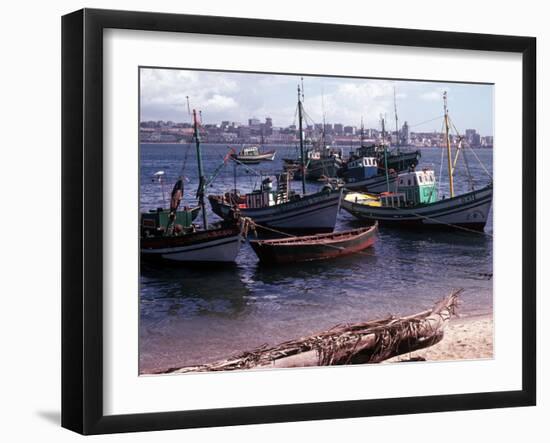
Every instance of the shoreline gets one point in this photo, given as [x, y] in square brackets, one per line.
[465, 338]
[291, 145]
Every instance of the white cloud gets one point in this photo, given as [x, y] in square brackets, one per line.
[434, 95]
[221, 103]
[240, 96]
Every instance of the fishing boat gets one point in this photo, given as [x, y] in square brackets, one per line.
[362, 174]
[415, 202]
[283, 209]
[314, 247]
[322, 161]
[176, 243]
[398, 160]
[252, 155]
[375, 169]
[156, 220]
[392, 160]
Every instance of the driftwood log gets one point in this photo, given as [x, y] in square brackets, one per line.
[368, 342]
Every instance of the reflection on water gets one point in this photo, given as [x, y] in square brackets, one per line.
[191, 316]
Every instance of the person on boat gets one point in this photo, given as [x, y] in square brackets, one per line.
[176, 197]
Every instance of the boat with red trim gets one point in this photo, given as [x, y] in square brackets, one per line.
[314, 247]
[189, 244]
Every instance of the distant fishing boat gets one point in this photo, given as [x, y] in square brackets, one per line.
[395, 160]
[177, 243]
[415, 201]
[374, 168]
[321, 160]
[252, 155]
[283, 209]
[314, 247]
[363, 174]
[398, 160]
[324, 162]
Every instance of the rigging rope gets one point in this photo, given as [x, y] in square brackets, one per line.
[440, 170]
[473, 152]
[427, 121]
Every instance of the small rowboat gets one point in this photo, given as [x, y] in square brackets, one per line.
[314, 247]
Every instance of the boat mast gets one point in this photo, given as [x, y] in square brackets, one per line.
[385, 154]
[396, 121]
[202, 180]
[301, 134]
[362, 132]
[448, 141]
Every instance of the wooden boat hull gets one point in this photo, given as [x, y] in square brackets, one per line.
[468, 210]
[400, 162]
[219, 245]
[312, 213]
[315, 247]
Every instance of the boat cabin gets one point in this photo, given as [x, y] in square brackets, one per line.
[361, 168]
[156, 220]
[250, 151]
[417, 186]
[267, 196]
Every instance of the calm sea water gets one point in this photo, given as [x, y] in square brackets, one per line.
[193, 316]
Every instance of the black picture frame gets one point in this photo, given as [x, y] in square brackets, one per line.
[82, 218]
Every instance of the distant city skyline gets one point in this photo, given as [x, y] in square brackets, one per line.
[237, 97]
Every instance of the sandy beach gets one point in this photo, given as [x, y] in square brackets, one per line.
[465, 338]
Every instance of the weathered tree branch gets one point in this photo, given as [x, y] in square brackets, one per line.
[369, 342]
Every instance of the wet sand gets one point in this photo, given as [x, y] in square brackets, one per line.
[465, 338]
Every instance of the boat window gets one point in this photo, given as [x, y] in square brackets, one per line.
[420, 178]
[409, 181]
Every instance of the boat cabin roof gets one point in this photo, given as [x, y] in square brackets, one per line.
[417, 178]
[250, 150]
[363, 162]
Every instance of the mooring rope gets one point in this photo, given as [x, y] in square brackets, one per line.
[486, 275]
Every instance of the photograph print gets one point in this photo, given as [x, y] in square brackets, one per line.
[291, 220]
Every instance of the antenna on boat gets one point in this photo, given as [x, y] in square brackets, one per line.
[301, 135]
[448, 142]
[362, 131]
[383, 121]
[202, 180]
[188, 106]
[396, 120]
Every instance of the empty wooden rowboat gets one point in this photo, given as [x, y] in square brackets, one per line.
[314, 247]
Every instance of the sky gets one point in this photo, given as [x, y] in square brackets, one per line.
[240, 96]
